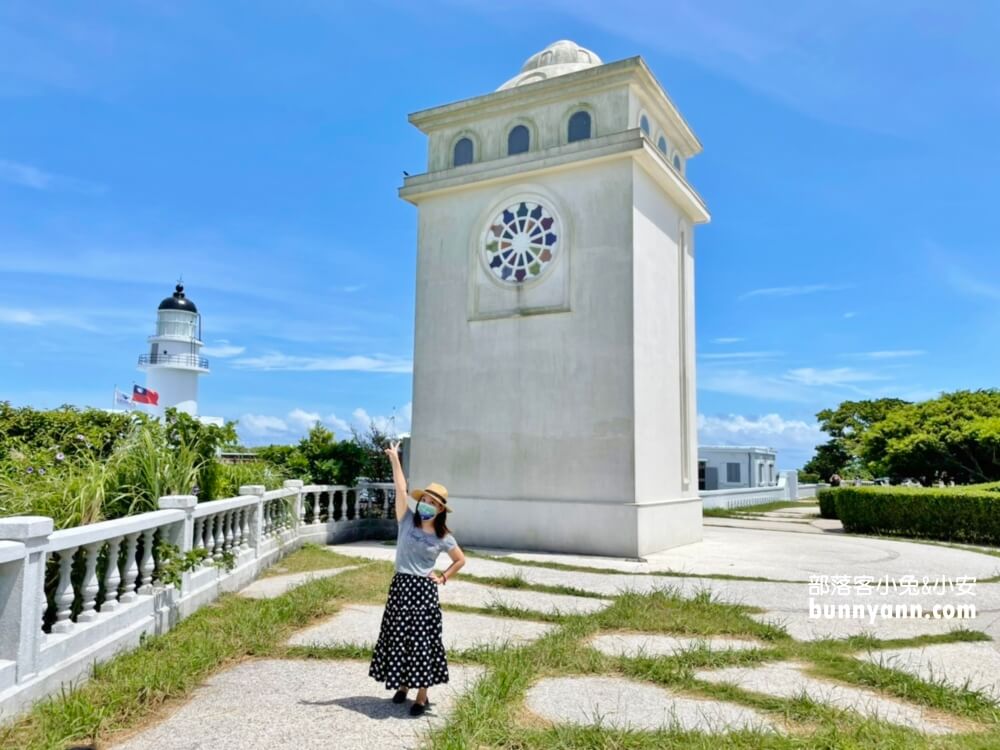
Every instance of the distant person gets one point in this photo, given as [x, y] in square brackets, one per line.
[835, 480]
[409, 652]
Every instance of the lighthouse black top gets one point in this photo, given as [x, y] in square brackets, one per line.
[178, 301]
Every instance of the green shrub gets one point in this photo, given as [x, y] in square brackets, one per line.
[947, 514]
[827, 507]
[806, 477]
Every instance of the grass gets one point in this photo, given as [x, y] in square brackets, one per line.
[759, 508]
[134, 689]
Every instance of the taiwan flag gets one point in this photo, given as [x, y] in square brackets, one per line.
[142, 395]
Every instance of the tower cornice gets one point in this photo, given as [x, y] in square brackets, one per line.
[630, 71]
[628, 144]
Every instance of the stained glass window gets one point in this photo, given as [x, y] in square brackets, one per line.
[579, 127]
[521, 242]
[518, 140]
[644, 124]
[463, 152]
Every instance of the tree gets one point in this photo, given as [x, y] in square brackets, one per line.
[830, 459]
[957, 433]
[847, 426]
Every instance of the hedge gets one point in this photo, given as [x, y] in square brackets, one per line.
[948, 514]
[827, 508]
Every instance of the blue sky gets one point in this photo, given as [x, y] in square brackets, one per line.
[850, 163]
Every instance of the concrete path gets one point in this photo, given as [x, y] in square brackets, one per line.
[635, 645]
[358, 625]
[306, 705]
[796, 557]
[272, 587]
[625, 704]
[974, 666]
[789, 680]
[787, 603]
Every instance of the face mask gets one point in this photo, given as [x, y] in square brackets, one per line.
[426, 512]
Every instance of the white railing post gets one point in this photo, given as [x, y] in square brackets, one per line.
[300, 510]
[791, 484]
[181, 535]
[21, 615]
[257, 523]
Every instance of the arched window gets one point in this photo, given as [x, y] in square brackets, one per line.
[677, 162]
[463, 152]
[579, 127]
[518, 140]
[644, 124]
[662, 145]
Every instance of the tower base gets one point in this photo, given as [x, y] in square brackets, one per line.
[608, 528]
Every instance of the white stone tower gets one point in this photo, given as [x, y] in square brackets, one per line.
[174, 362]
[554, 383]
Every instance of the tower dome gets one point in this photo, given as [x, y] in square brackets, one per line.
[559, 58]
[177, 301]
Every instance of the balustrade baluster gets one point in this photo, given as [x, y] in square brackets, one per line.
[112, 576]
[90, 585]
[218, 537]
[227, 522]
[147, 564]
[244, 527]
[64, 592]
[131, 568]
[315, 507]
[209, 539]
[199, 532]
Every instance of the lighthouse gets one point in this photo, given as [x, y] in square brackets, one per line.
[174, 362]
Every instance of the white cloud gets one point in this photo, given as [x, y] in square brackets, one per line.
[769, 429]
[28, 176]
[792, 291]
[302, 420]
[357, 363]
[222, 349]
[745, 383]
[19, 317]
[850, 314]
[893, 353]
[833, 376]
[740, 355]
[261, 426]
[794, 440]
[24, 317]
[727, 340]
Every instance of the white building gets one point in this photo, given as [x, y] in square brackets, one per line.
[174, 363]
[726, 467]
[553, 384]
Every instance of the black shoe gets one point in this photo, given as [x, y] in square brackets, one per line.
[417, 709]
[400, 696]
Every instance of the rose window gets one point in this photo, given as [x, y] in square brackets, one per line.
[521, 242]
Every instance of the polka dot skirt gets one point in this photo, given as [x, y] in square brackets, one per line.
[409, 650]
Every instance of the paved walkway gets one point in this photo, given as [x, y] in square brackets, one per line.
[306, 704]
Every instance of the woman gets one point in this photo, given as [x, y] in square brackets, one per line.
[409, 652]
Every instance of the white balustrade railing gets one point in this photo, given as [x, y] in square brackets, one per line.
[77, 596]
[787, 488]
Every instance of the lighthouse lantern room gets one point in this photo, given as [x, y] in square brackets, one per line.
[174, 362]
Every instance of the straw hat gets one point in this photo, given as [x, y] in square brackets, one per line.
[437, 491]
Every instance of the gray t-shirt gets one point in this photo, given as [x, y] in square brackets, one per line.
[416, 550]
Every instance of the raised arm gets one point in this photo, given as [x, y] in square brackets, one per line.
[397, 476]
